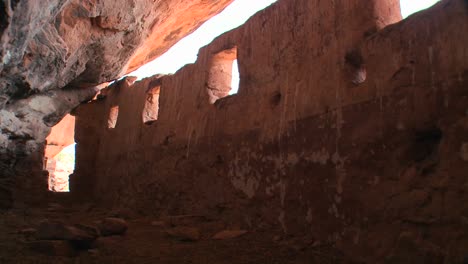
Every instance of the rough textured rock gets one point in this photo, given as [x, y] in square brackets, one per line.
[229, 234]
[184, 220]
[464, 151]
[89, 42]
[54, 230]
[113, 226]
[184, 233]
[29, 234]
[53, 53]
[110, 244]
[309, 145]
[58, 248]
[410, 249]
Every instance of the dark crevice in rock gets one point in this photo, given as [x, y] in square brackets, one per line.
[276, 99]
[21, 89]
[425, 144]
[354, 58]
[3, 17]
[52, 119]
[14, 4]
[100, 22]
[356, 70]
[3, 101]
[6, 197]
[7, 163]
[20, 138]
[371, 31]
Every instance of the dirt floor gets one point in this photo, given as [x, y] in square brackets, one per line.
[147, 240]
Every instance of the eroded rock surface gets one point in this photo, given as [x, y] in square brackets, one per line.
[88, 42]
[53, 53]
[112, 226]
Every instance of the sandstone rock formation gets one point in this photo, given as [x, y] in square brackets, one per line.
[53, 54]
[112, 226]
[349, 127]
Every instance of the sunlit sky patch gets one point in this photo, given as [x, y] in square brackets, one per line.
[69, 149]
[409, 7]
[186, 50]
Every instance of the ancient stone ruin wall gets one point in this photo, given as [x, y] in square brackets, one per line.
[343, 130]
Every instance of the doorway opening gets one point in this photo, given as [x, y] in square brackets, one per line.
[223, 74]
[59, 155]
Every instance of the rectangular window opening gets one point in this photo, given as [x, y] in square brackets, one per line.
[113, 115]
[223, 75]
[151, 110]
[60, 167]
[59, 154]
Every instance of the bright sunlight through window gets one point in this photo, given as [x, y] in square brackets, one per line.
[409, 7]
[186, 50]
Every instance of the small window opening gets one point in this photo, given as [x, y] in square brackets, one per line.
[59, 154]
[223, 75]
[185, 51]
[150, 112]
[113, 115]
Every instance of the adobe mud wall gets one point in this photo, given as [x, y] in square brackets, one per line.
[345, 130]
